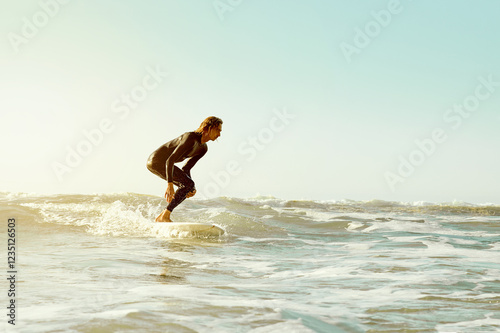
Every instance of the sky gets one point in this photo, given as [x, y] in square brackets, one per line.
[321, 99]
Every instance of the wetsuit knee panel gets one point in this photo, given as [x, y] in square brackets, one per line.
[190, 185]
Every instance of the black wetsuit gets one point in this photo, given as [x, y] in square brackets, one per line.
[161, 163]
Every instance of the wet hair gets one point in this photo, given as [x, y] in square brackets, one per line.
[208, 123]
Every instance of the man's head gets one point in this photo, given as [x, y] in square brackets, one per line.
[211, 127]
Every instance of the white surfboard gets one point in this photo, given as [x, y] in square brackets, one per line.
[187, 229]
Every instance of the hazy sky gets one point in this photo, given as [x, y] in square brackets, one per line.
[325, 100]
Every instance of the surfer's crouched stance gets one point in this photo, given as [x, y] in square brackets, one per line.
[192, 145]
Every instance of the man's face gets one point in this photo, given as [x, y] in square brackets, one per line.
[215, 132]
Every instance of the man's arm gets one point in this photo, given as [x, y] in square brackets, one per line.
[192, 161]
[186, 144]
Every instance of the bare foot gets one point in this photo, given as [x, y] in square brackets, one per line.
[164, 216]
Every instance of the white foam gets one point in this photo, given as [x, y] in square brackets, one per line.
[115, 314]
[355, 225]
[467, 326]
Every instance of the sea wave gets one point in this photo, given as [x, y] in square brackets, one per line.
[132, 214]
[326, 265]
[423, 207]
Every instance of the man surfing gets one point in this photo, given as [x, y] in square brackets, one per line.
[191, 146]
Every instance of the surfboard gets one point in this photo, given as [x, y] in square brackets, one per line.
[187, 229]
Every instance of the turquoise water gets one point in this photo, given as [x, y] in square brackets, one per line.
[94, 263]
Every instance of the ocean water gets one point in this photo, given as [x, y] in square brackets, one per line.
[94, 263]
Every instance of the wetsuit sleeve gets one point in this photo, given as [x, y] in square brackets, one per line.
[184, 146]
[192, 161]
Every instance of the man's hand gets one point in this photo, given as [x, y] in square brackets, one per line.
[169, 193]
[190, 194]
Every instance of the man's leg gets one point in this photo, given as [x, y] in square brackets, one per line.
[185, 185]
